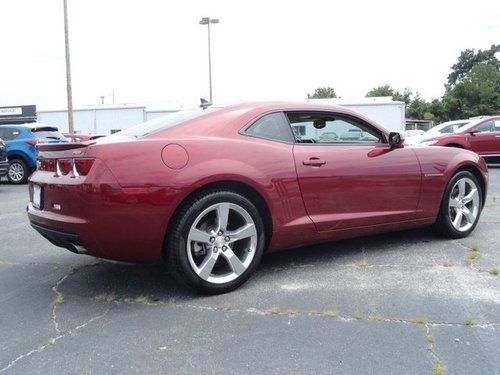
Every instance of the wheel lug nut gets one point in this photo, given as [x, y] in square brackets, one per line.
[249, 250]
[224, 248]
[220, 233]
[216, 249]
[227, 238]
[212, 239]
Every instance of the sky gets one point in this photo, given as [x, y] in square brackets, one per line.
[155, 50]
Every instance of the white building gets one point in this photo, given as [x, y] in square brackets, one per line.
[108, 119]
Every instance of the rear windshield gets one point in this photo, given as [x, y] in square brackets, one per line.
[48, 134]
[164, 122]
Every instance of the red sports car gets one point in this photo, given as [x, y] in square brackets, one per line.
[481, 136]
[210, 190]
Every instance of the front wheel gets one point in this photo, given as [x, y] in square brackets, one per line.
[215, 242]
[18, 172]
[461, 206]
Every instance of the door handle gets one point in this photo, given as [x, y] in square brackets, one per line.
[314, 162]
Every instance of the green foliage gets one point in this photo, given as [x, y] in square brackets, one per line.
[468, 59]
[387, 90]
[323, 93]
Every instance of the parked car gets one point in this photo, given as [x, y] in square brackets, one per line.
[77, 137]
[481, 136]
[4, 161]
[21, 147]
[444, 128]
[209, 191]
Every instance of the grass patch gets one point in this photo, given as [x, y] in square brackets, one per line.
[313, 312]
[292, 312]
[142, 299]
[331, 313]
[274, 310]
[495, 271]
[378, 317]
[419, 320]
[469, 322]
[438, 369]
[59, 299]
[430, 338]
[448, 263]
[475, 247]
[51, 341]
[362, 263]
[108, 297]
[473, 255]
[227, 307]
[360, 315]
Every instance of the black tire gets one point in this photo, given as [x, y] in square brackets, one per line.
[19, 165]
[175, 251]
[443, 225]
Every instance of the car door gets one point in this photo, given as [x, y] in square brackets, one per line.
[351, 177]
[482, 138]
[496, 128]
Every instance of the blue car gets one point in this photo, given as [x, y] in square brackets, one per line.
[21, 143]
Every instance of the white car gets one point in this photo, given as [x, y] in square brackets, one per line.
[444, 128]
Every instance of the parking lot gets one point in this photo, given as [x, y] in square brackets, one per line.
[399, 303]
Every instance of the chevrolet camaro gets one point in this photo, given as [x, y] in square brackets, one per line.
[208, 191]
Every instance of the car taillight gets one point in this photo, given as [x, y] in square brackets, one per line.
[32, 142]
[82, 166]
[64, 166]
[47, 165]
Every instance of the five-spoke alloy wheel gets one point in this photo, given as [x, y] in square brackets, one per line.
[461, 206]
[215, 242]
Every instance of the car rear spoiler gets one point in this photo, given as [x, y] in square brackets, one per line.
[61, 146]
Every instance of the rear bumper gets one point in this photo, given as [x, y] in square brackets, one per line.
[59, 238]
[4, 168]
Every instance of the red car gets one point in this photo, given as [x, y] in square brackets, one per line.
[210, 190]
[481, 136]
[77, 137]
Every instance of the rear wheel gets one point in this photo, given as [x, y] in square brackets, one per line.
[461, 206]
[18, 172]
[215, 242]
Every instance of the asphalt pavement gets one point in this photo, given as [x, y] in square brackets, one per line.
[400, 303]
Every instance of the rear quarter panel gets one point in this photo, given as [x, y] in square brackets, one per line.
[438, 165]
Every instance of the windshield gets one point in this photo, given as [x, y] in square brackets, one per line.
[164, 122]
[48, 134]
[446, 127]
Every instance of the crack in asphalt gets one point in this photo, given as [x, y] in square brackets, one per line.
[53, 340]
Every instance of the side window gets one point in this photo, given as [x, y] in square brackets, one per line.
[497, 125]
[330, 128]
[272, 126]
[485, 127]
[10, 134]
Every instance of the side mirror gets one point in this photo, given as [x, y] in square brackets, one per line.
[473, 132]
[395, 140]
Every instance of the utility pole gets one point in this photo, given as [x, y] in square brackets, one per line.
[71, 129]
[207, 21]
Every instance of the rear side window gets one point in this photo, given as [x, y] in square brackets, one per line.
[273, 127]
[8, 134]
[485, 127]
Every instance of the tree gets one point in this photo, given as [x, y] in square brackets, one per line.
[470, 58]
[478, 92]
[387, 90]
[384, 90]
[322, 93]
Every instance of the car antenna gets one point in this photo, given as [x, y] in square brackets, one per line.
[205, 103]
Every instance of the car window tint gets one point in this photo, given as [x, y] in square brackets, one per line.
[272, 126]
[49, 134]
[485, 127]
[497, 125]
[10, 134]
[326, 128]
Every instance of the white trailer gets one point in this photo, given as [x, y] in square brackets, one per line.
[383, 110]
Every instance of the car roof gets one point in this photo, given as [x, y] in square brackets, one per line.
[31, 125]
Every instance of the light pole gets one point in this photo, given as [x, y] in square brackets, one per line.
[207, 21]
[68, 70]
